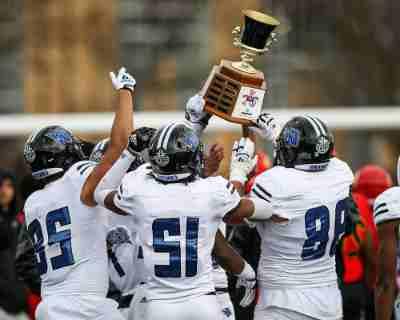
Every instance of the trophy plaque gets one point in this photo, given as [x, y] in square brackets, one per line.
[235, 91]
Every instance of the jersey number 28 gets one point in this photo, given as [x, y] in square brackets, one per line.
[317, 230]
[63, 238]
[173, 227]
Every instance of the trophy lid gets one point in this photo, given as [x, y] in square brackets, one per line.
[257, 28]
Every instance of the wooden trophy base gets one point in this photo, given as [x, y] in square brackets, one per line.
[233, 94]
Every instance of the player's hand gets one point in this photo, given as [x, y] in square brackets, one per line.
[249, 291]
[243, 160]
[267, 127]
[247, 279]
[140, 139]
[195, 109]
[213, 160]
[123, 80]
[195, 114]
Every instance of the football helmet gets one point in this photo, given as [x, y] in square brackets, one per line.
[305, 143]
[51, 151]
[99, 150]
[176, 153]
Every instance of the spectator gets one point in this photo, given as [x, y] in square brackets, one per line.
[25, 260]
[12, 291]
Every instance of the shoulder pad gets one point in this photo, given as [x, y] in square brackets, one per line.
[387, 206]
[268, 184]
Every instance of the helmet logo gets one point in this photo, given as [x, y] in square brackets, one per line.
[96, 156]
[161, 158]
[291, 137]
[322, 145]
[60, 136]
[29, 153]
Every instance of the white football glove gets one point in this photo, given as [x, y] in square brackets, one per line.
[243, 160]
[123, 80]
[195, 114]
[247, 279]
[267, 127]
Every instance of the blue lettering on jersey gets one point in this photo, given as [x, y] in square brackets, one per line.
[172, 227]
[227, 312]
[62, 238]
[317, 230]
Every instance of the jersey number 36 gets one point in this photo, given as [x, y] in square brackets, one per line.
[63, 238]
[317, 230]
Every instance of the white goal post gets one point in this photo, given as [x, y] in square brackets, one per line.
[360, 118]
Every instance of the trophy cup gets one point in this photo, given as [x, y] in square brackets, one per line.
[235, 91]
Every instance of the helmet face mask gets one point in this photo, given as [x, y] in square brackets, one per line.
[304, 143]
[51, 151]
[175, 153]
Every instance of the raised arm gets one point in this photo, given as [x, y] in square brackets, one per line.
[122, 126]
[254, 208]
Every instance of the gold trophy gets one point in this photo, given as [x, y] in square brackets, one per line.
[235, 91]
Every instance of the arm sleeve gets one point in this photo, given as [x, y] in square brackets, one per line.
[25, 261]
[113, 177]
[124, 198]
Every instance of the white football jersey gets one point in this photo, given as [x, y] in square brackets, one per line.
[177, 223]
[301, 252]
[387, 206]
[69, 238]
[219, 275]
[126, 266]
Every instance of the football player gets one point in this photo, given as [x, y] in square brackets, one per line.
[126, 270]
[387, 219]
[125, 266]
[70, 238]
[178, 214]
[307, 191]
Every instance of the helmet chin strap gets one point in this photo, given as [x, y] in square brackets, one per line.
[41, 174]
[171, 177]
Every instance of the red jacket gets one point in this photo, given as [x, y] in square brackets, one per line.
[353, 264]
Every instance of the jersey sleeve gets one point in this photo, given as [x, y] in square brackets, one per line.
[79, 172]
[226, 197]
[125, 196]
[267, 188]
[387, 206]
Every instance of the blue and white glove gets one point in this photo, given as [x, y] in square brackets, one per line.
[247, 279]
[243, 160]
[123, 80]
[267, 127]
[195, 114]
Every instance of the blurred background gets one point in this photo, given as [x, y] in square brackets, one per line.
[55, 57]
